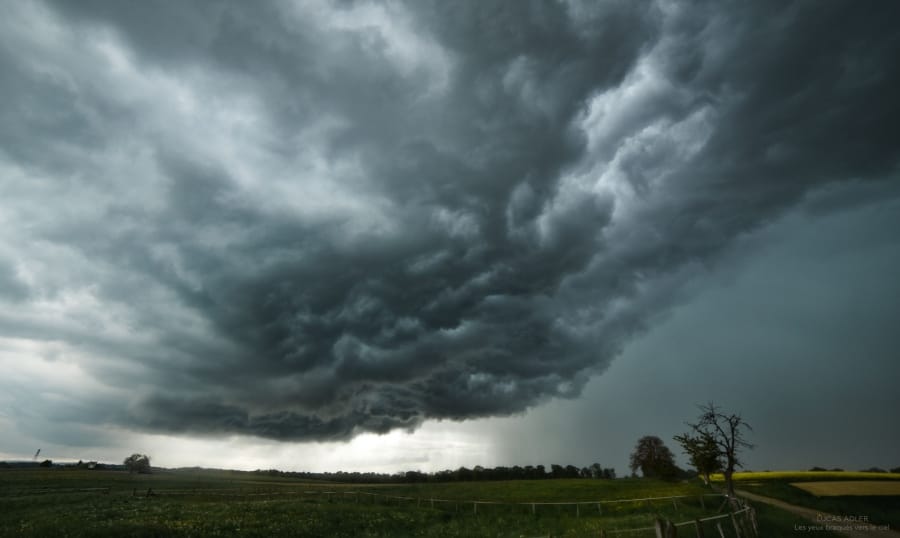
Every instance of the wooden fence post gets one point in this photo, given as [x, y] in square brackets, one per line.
[737, 528]
[698, 526]
[671, 530]
[747, 529]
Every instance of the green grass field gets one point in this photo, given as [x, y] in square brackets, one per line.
[68, 502]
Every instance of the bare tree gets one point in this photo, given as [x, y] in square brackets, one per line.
[725, 432]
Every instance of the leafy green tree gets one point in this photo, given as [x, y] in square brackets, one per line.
[653, 458]
[137, 463]
[703, 452]
[557, 471]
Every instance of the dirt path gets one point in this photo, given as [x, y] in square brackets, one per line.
[819, 518]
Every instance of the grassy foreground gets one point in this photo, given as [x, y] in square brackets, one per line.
[68, 502]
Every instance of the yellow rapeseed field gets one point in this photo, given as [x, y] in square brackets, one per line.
[850, 487]
[808, 476]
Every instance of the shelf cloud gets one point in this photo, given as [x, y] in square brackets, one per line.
[305, 221]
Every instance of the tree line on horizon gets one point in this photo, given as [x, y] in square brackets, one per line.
[463, 474]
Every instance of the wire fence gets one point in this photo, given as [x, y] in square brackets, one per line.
[743, 524]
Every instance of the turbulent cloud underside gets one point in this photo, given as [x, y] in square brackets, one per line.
[305, 221]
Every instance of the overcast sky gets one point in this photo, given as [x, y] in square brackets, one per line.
[385, 235]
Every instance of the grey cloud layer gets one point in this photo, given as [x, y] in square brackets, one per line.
[306, 221]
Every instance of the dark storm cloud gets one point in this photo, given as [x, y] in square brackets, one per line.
[304, 221]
